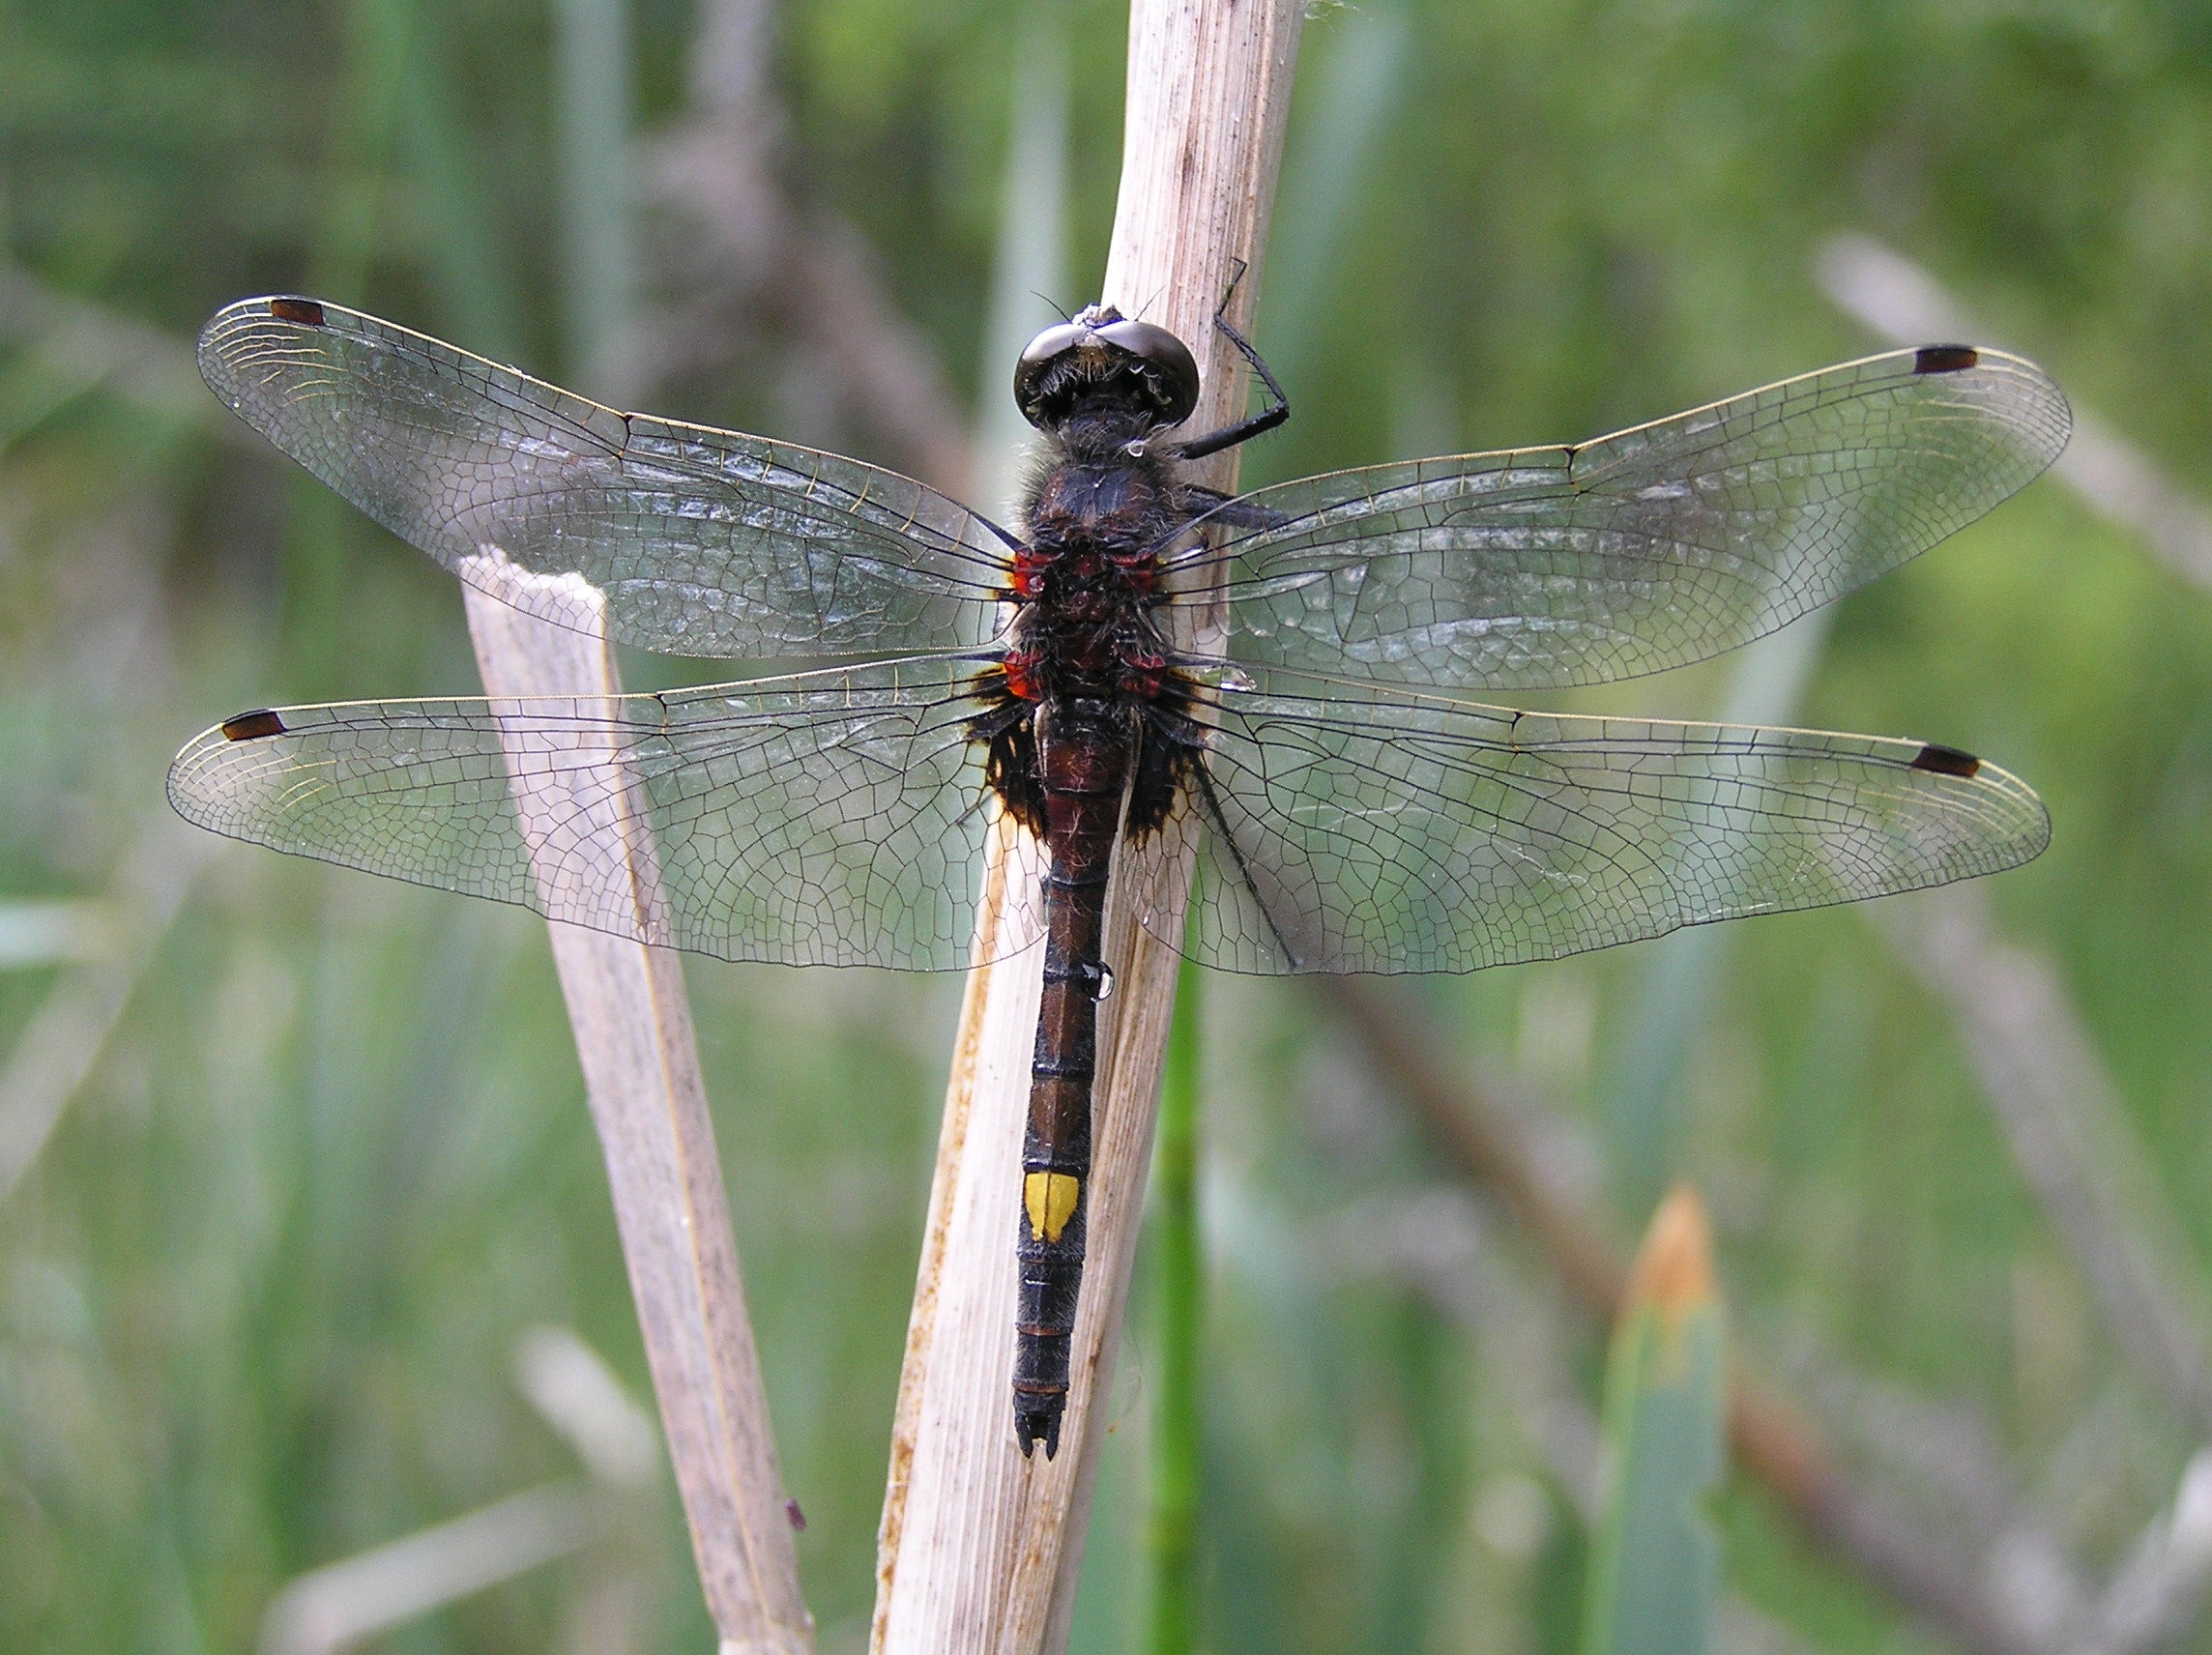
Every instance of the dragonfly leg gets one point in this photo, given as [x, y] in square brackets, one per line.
[1252, 425]
[1229, 511]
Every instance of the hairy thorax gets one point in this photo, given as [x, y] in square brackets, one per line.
[1089, 581]
[1087, 660]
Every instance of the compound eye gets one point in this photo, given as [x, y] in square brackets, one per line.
[1059, 336]
[1174, 370]
[1041, 352]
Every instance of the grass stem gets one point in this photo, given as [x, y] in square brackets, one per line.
[1171, 1533]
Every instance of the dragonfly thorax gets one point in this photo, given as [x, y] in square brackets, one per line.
[1089, 581]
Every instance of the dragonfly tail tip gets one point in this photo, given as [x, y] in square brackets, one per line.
[1030, 1428]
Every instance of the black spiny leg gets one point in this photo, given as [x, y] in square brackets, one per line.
[1245, 429]
[1231, 511]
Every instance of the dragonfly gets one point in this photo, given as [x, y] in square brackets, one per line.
[1280, 681]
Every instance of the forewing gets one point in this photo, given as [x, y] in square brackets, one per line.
[828, 818]
[1349, 829]
[703, 543]
[1648, 549]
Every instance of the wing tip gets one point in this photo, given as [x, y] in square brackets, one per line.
[216, 349]
[242, 315]
[2034, 405]
[2018, 821]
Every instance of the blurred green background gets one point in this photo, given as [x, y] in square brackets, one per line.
[327, 1160]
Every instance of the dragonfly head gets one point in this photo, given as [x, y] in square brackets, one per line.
[1105, 362]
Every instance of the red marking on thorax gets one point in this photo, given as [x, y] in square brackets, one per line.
[1030, 566]
[1140, 572]
[1143, 672]
[1021, 675]
[1088, 591]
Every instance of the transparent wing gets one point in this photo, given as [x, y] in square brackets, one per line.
[705, 542]
[1351, 828]
[1644, 550]
[828, 818]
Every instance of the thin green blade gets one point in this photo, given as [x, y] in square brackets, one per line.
[1656, 1566]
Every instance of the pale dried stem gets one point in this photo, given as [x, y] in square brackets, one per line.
[981, 1548]
[85, 344]
[344, 1603]
[65, 1036]
[2161, 1580]
[641, 1074]
[740, 251]
[2069, 1129]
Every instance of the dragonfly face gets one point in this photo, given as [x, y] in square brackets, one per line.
[1352, 810]
[1132, 373]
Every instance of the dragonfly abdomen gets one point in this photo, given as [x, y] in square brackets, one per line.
[1085, 751]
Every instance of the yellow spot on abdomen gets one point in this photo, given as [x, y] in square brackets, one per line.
[1050, 1197]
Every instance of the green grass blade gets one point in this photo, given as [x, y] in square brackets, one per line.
[593, 70]
[1030, 268]
[1171, 1533]
[1680, 977]
[1655, 1565]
